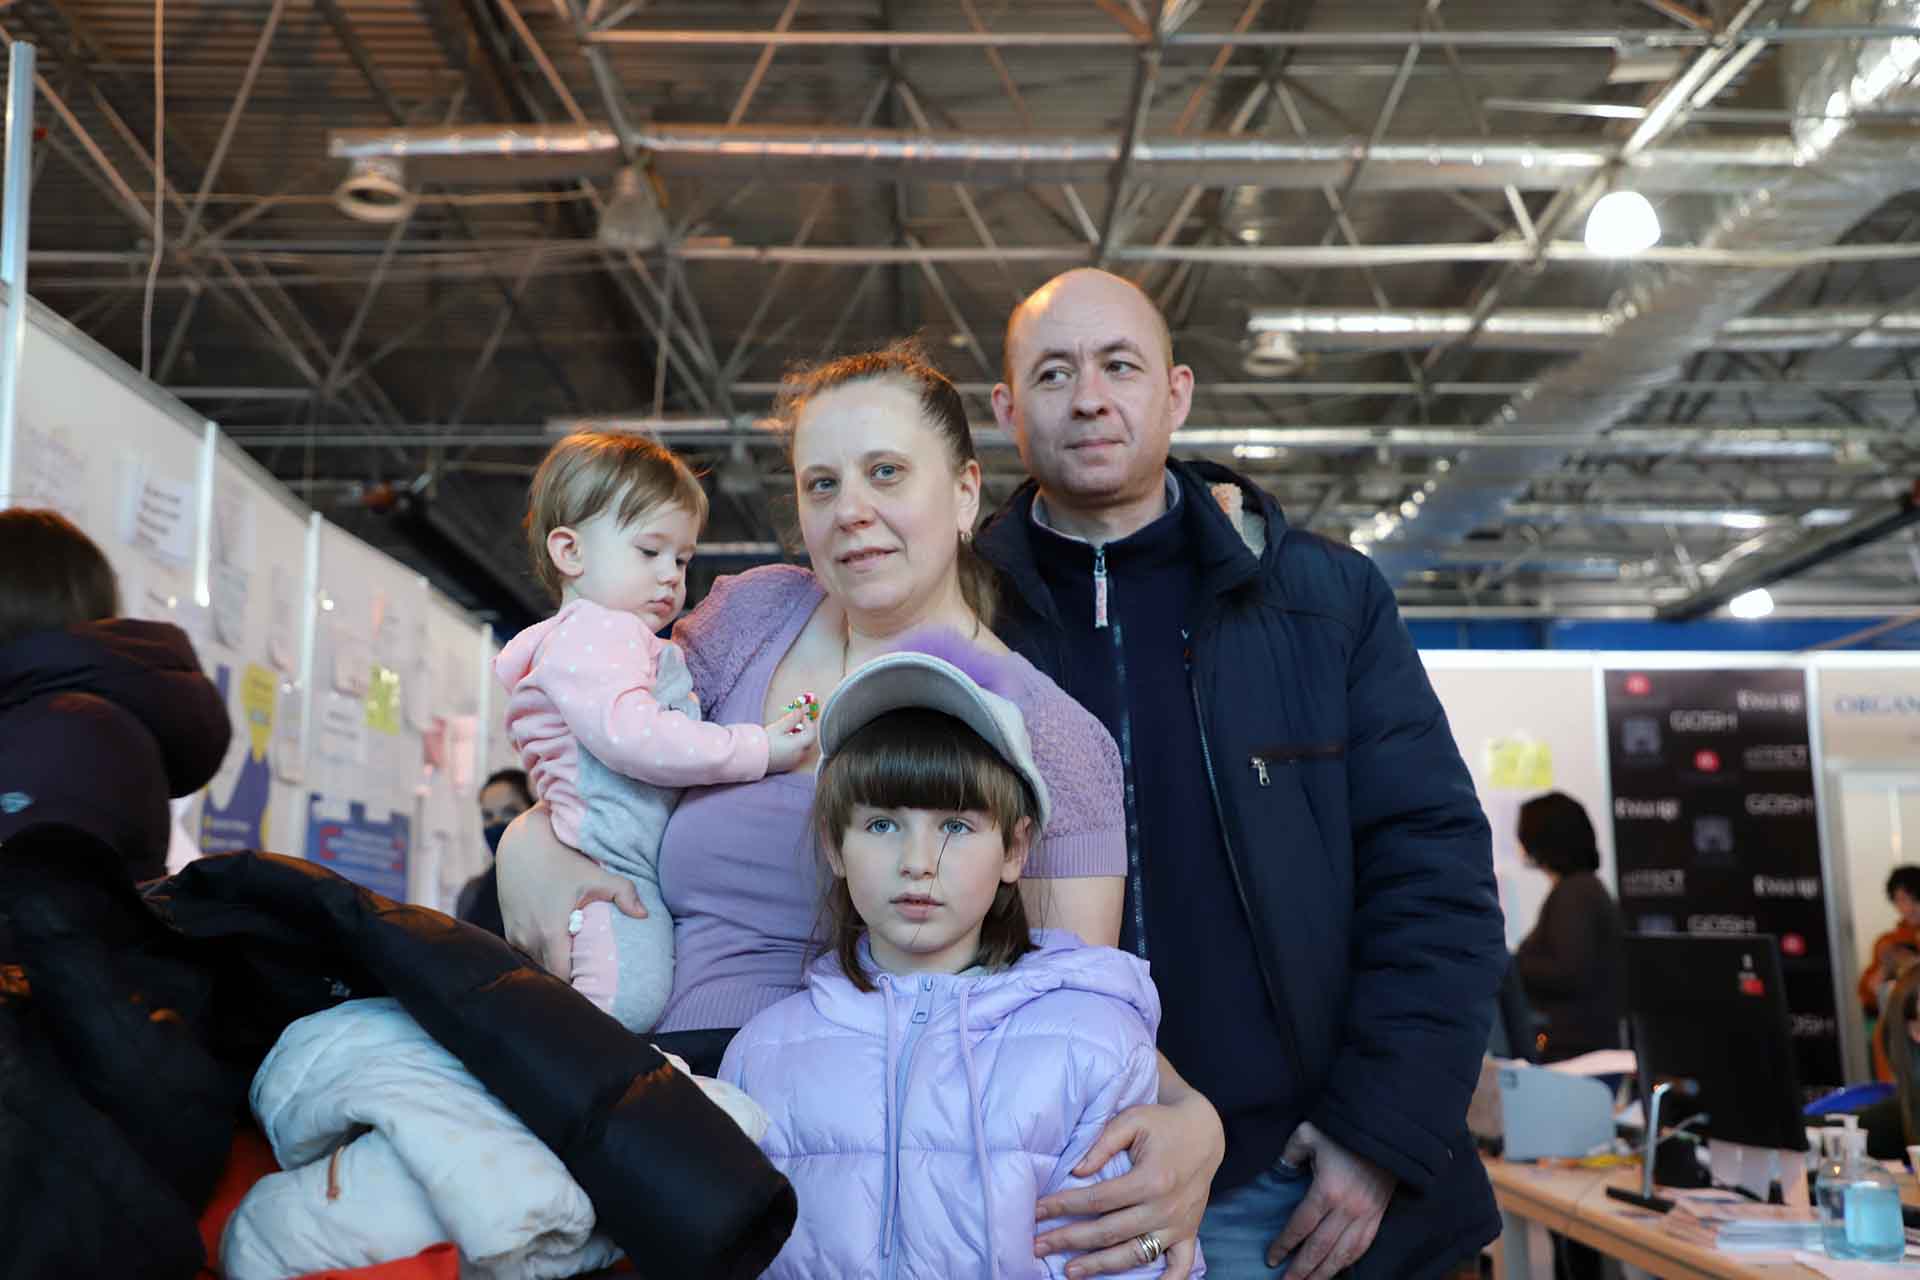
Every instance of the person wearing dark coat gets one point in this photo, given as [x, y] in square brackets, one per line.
[1572, 964]
[504, 796]
[102, 719]
[131, 1025]
[1310, 873]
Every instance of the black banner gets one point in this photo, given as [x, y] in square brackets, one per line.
[1715, 829]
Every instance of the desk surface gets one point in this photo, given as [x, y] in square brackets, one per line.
[1575, 1204]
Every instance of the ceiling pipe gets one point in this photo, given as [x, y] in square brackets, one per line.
[512, 154]
[1671, 314]
[1570, 329]
[1754, 572]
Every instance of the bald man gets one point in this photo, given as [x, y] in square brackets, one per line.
[1310, 873]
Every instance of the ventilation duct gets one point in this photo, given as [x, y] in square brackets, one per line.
[510, 154]
[1568, 329]
[1847, 169]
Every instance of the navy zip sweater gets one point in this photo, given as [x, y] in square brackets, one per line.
[1181, 912]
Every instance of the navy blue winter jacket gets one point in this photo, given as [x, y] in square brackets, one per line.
[1360, 852]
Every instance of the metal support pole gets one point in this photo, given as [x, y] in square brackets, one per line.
[13, 248]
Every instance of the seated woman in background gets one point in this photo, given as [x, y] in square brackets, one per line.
[1571, 964]
[101, 718]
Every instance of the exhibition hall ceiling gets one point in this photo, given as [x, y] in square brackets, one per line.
[406, 242]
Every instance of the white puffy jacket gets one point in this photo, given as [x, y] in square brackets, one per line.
[390, 1145]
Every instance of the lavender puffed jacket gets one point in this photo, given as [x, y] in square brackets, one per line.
[921, 1123]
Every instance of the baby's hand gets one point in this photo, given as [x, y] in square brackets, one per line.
[789, 739]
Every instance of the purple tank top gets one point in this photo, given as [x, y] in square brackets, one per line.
[739, 872]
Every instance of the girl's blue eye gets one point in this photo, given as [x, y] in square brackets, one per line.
[886, 471]
[882, 826]
[955, 827]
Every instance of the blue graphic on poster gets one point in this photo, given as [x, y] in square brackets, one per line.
[371, 854]
[241, 822]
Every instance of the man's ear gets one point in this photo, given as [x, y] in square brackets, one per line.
[1002, 397]
[1019, 844]
[1180, 393]
[566, 552]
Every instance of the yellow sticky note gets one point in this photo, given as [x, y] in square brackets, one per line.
[383, 700]
[259, 690]
[1519, 764]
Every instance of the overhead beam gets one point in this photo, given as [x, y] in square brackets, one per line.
[1806, 553]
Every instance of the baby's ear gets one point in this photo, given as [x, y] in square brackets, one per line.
[564, 549]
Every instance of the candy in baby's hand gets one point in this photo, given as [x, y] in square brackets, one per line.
[809, 702]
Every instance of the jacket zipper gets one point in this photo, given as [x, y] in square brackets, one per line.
[1280, 1014]
[921, 1007]
[1136, 881]
[1099, 587]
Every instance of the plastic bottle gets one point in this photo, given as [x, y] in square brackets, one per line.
[1829, 1193]
[1859, 1203]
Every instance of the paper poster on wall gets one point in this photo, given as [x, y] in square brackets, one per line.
[463, 745]
[231, 571]
[1716, 830]
[1518, 763]
[49, 471]
[352, 654]
[340, 730]
[283, 619]
[288, 764]
[389, 630]
[419, 681]
[383, 700]
[372, 854]
[155, 512]
[150, 592]
[239, 821]
[433, 745]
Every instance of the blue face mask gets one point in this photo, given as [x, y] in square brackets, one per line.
[493, 833]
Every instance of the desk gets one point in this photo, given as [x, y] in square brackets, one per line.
[1574, 1203]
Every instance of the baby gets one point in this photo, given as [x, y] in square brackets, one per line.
[602, 711]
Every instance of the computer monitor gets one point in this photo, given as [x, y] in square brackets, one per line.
[1515, 1031]
[1711, 1012]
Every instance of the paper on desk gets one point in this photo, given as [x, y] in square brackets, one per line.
[1836, 1269]
[1601, 1062]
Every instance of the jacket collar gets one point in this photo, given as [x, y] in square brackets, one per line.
[1223, 557]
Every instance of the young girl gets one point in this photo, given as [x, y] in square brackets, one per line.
[602, 711]
[946, 1066]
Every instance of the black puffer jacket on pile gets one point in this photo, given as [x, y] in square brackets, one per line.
[131, 1028]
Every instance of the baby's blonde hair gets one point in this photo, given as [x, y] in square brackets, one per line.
[590, 471]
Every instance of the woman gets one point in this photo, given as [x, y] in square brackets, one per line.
[1571, 963]
[888, 490]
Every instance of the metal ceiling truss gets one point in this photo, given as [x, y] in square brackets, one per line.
[1334, 183]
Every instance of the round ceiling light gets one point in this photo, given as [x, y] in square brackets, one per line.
[1622, 223]
[375, 190]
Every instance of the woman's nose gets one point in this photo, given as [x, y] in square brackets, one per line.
[853, 509]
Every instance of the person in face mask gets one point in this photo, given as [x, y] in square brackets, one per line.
[504, 797]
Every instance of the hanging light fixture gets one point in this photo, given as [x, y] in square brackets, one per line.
[375, 190]
[633, 218]
[1757, 603]
[1622, 224]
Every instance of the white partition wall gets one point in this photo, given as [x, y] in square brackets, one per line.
[1526, 729]
[356, 691]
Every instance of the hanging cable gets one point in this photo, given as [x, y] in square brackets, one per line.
[159, 180]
